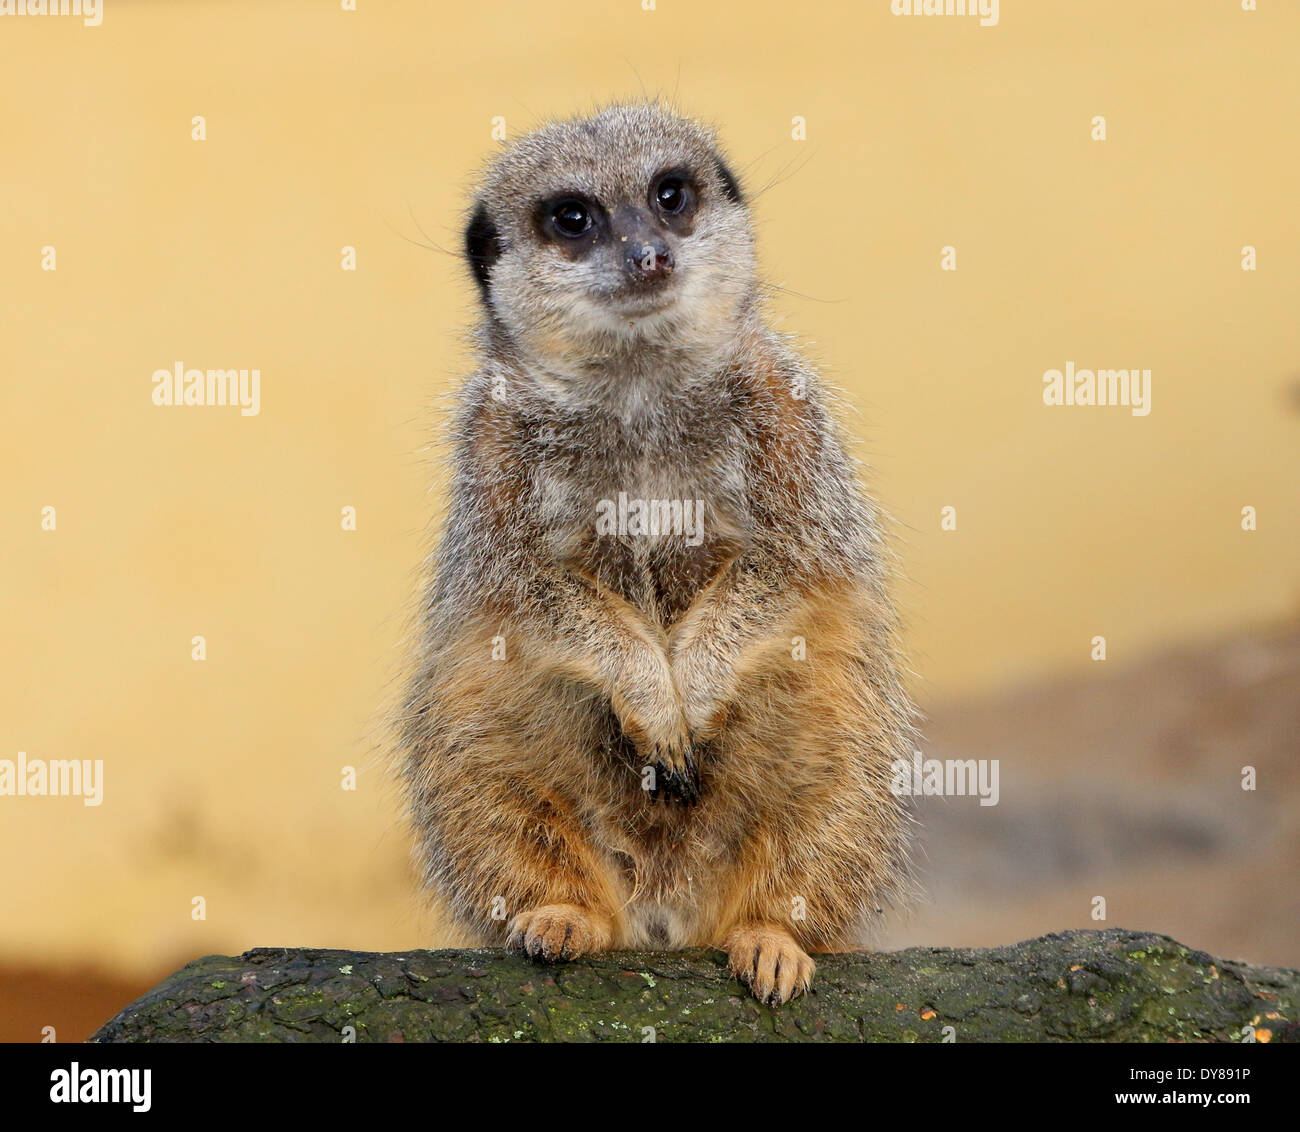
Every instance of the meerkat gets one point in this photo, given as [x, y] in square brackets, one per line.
[620, 733]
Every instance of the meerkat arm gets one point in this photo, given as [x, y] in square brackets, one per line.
[734, 622]
[595, 637]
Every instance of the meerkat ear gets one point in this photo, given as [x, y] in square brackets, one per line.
[482, 247]
[730, 185]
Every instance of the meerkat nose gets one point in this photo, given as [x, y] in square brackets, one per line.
[648, 259]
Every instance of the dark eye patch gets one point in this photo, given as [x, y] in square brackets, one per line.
[571, 218]
[572, 221]
[674, 196]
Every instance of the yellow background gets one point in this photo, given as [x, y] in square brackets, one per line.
[328, 128]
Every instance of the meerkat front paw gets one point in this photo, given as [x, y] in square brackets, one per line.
[676, 773]
[672, 759]
[650, 713]
[704, 690]
[557, 932]
[767, 958]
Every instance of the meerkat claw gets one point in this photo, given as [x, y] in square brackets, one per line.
[677, 781]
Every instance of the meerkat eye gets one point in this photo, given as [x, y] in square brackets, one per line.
[571, 218]
[670, 195]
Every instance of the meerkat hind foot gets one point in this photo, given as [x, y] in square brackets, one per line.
[770, 961]
[556, 932]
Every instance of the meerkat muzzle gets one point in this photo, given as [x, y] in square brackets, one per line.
[647, 258]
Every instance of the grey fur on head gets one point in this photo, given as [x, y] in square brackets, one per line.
[565, 310]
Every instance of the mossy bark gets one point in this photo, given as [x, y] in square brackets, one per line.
[1111, 985]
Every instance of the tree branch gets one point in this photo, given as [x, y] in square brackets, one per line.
[1111, 985]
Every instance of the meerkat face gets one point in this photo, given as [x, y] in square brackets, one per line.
[622, 230]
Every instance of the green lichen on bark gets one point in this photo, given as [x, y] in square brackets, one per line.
[1111, 985]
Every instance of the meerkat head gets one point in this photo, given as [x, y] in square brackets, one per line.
[620, 232]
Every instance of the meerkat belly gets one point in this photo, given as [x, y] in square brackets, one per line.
[658, 540]
[672, 902]
[674, 864]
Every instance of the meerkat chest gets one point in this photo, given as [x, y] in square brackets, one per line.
[655, 535]
[653, 512]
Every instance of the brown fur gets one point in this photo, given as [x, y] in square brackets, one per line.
[771, 831]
